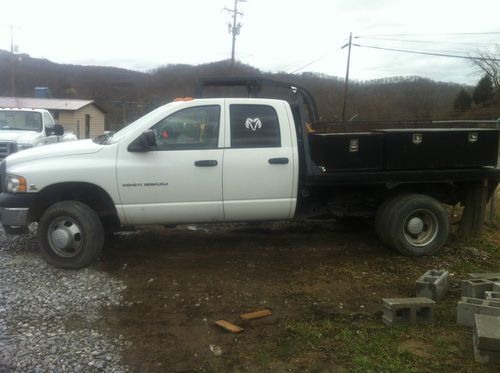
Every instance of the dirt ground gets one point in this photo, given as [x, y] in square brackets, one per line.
[323, 281]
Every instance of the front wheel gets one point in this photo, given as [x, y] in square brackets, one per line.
[416, 225]
[70, 235]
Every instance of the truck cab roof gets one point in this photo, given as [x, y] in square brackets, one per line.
[23, 109]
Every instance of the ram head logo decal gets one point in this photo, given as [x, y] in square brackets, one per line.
[253, 124]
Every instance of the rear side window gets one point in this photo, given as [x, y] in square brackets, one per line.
[254, 126]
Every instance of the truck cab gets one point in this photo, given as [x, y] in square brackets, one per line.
[213, 160]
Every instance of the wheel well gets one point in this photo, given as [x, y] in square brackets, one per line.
[443, 192]
[90, 194]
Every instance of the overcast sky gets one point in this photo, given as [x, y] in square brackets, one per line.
[276, 35]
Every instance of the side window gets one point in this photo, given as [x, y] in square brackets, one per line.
[254, 126]
[48, 120]
[192, 128]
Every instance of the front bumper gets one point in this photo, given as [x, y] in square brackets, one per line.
[14, 217]
[14, 208]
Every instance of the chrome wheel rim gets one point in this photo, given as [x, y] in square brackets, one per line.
[65, 237]
[420, 227]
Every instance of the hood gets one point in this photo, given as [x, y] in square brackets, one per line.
[61, 149]
[18, 136]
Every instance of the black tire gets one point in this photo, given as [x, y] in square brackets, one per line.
[416, 225]
[383, 216]
[70, 235]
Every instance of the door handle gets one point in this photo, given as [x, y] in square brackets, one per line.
[278, 161]
[206, 163]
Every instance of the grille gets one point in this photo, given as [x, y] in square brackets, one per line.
[3, 171]
[6, 148]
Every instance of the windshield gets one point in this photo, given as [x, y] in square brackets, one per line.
[132, 126]
[20, 120]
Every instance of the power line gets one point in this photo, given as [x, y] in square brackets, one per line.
[437, 33]
[432, 50]
[293, 65]
[312, 62]
[427, 53]
[421, 41]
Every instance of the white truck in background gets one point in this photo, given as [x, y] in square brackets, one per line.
[22, 129]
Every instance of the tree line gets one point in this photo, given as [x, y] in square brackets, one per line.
[127, 94]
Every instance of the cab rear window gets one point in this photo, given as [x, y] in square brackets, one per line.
[254, 126]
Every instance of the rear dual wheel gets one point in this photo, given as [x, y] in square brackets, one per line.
[413, 224]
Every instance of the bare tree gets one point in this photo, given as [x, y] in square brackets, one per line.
[488, 62]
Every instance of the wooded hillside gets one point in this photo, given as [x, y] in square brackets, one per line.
[396, 98]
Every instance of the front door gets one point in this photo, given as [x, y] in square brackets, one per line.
[181, 179]
[258, 175]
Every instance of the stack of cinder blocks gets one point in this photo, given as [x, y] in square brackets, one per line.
[480, 309]
[479, 296]
[432, 286]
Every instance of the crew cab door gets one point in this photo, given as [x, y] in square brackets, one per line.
[181, 179]
[259, 164]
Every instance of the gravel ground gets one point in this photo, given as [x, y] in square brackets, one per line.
[48, 316]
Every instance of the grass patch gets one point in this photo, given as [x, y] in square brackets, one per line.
[319, 345]
[311, 332]
[375, 350]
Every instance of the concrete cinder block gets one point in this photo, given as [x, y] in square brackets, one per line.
[475, 288]
[468, 307]
[433, 284]
[486, 338]
[408, 310]
[486, 357]
[487, 331]
[483, 275]
[492, 295]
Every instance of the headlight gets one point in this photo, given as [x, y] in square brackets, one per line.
[15, 184]
[23, 147]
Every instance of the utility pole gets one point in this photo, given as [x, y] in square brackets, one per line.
[346, 84]
[12, 64]
[234, 28]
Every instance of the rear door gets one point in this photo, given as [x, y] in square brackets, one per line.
[258, 170]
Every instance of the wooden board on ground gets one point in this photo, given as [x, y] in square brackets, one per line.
[255, 315]
[228, 326]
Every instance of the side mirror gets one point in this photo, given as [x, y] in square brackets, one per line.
[58, 130]
[144, 143]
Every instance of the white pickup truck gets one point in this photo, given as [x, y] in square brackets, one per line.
[218, 160]
[22, 129]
